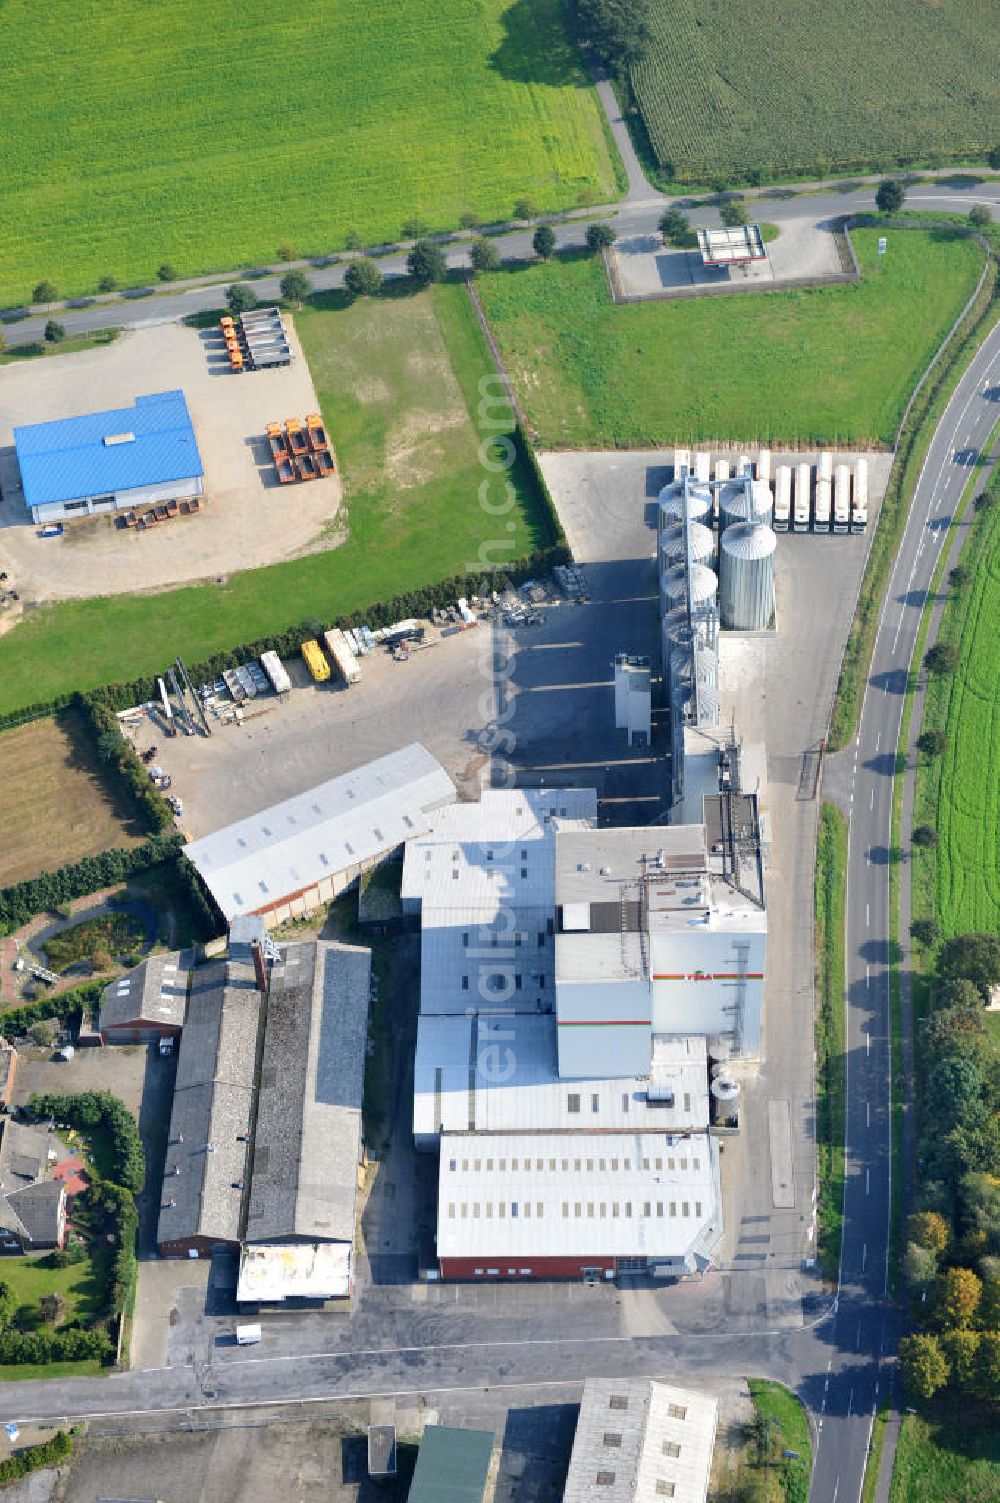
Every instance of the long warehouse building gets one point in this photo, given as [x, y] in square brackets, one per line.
[289, 859]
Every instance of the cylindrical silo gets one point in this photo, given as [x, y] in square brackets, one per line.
[739, 502]
[700, 544]
[672, 504]
[703, 585]
[746, 561]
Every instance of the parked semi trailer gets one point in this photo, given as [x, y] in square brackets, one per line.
[859, 504]
[821, 504]
[274, 668]
[803, 487]
[343, 658]
[842, 499]
[315, 660]
[782, 497]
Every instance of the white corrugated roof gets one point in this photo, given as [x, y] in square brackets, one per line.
[255, 863]
[646, 1440]
[516, 1085]
[523, 1195]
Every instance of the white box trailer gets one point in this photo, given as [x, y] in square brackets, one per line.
[703, 467]
[722, 470]
[341, 655]
[821, 504]
[859, 501]
[248, 1335]
[682, 463]
[274, 668]
[824, 468]
[803, 489]
[842, 499]
[782, 497]
[743, 466]
[764, 465]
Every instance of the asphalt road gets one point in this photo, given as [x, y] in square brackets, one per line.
[865, 1326]
[636, 215]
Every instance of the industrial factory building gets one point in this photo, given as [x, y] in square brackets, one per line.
[107, 461]
[265, 1131]
[638, 1440]
[288, 860]
[482, 880]
[571, 1005]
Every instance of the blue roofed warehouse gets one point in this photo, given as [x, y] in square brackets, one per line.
[129, 456]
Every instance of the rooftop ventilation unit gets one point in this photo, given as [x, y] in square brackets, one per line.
[111, 439]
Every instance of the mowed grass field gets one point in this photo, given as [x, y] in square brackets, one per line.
[787, 86]
[206, 134]
[966, 781]
[830, 364]
[398, 380]
[54, 809]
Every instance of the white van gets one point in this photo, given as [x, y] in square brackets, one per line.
[247, 1335]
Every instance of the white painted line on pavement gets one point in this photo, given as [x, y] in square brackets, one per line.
[868, 1114]
[868, 1185]
[868, 916]
[878, 739]
[868, 1043]
[868, 974]
[871, 801]
[857, 1339]
[836, 1488]
[850, 1402]
[864, 1256]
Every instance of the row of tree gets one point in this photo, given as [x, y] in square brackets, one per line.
[952, 1259]
[22, 901]
[49, 1453]
[118, 756]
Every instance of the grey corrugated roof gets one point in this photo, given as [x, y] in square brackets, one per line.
[153, 992]
[252, 865]
[24, 1155]
[213, 1104]
[308, 1135]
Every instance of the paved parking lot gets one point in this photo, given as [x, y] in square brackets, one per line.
[645, 268]
[442, 697]
[247, 519]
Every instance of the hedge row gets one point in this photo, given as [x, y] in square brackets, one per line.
[66, 1007]
[62, 1344]
[22, 901]
[86, 1110]
[118, 755]
[113, 1210]
[50, 1453]
[123, 695]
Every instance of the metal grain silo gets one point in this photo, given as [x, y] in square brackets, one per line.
[700, 544]
[704, 586]
[746, 562]
[740, 501]
[672, 504]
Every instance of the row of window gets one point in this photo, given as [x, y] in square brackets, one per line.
[613, 1438]
[579, 1166]
[594, 1209]
[573, 1101]
[492, 939]
[664, 1488]
[499, 981]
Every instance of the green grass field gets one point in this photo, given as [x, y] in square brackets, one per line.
[77, 1283]
[968, 804]
[398, 381]
[832, 364]
[782, 86]
[206, 134]
[950, 1456]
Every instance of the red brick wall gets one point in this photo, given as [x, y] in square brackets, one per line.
[541, 1268]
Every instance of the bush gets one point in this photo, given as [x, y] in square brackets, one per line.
[925, 836]
[45, 292]
[55, 332]
[674, 226]
[167, 272]
[107, 284]
[931, 743]
[86, 1110]
[525, 208]
[426, 263]
[241, 298]
[287, 252]
[980, 217]
[924, 931]
[600, 237]
[733, 213]
[363, 278]
[295, 286]
[889, 196]
[941, 658]
[483, 255]
[972, 957]
[543, 241]
[50, 1453]
[414, 228]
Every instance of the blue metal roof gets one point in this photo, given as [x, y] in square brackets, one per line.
[68, 458]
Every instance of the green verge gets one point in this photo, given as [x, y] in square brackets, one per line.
[830, 897]
[398, 382]
[833, 365]
[911, 450]
[875, 1447]
[73, 343]
[949, 1453]
[923, 863]
[780, 1405]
